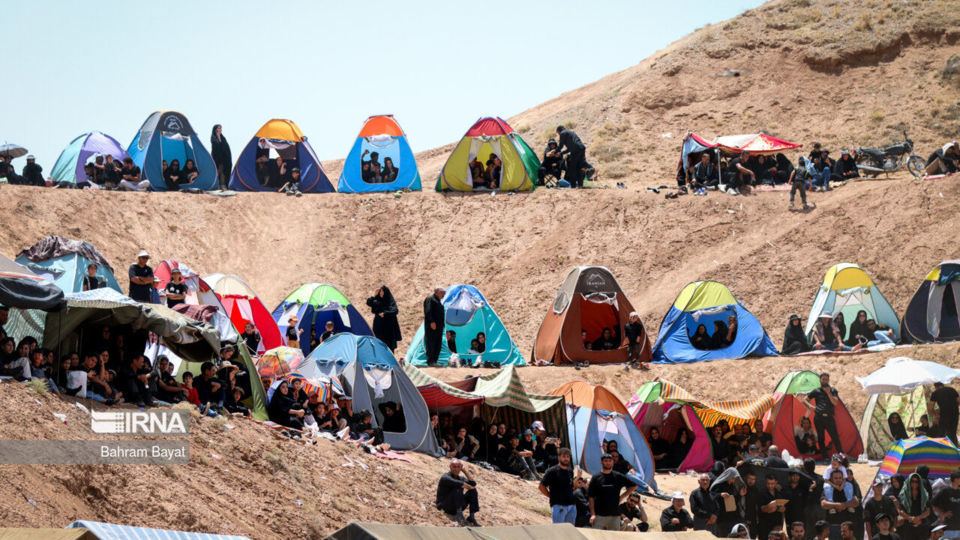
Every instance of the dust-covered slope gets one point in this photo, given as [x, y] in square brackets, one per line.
[843, 72]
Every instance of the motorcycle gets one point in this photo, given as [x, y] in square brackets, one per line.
[873, 161]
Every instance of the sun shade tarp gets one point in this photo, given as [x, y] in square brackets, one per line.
[191, 340]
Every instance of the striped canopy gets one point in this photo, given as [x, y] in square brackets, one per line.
[907, 454]
[737, 411]
[500, 395]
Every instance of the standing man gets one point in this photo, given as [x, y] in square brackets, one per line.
[141, 278]
[576, 153]
[824, 401]
[456, 492]
[176, 288]
[636, 340]
[771, 508]
[605, 495]
[433, 325]
[557, 485]
[704, 506]
[876, 506]
[838, 500]
[947, 401]
[674, 518]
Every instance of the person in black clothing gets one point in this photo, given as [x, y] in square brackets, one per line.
[897, 429]
[875, 506]
[732, 492]
[674, 518]
[220, 152]
[739, 173]
[721, 449]
[824, 403]
[552, 162]
[456, 492]
[251, 338]
[189, 172]
[605, 494]
[606, 341]
[135, 385]
[390, 171]
[659, 448]
[168, 389]
[557, 485]
[385, 325]
[582, 501]
[719, 338]
[796, 493]
[433, 316]
[92, 281]
[883, 523]
[631, 510]
[750, 506]
[636, 339]
[794, 340]
[704, 175]
[32, 174]
[173, 177]
[947, 505]
[575, 151]
[771, 513]
[701, 339]
[210, 390]
[703, 505]
[914, 509]
[282, 409]
[393, 419]
[141, 278]
[846, 168]
[176, 289]
[948, 401]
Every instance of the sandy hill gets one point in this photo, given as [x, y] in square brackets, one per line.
[836, 71]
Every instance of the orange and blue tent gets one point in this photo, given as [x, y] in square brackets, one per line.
[284, 139]
[381, 135]
[907, 454]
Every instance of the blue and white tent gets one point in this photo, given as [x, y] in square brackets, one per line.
[166, 136]
[383, 136]
[371, 375]
[468, 313]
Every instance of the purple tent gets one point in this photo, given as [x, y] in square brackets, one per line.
[69, 166]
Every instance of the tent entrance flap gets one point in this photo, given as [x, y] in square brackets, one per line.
[596, 316]
[482, 147]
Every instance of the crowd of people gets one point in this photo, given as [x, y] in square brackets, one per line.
[830, 333]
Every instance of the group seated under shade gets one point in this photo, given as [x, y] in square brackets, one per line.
[724, 334]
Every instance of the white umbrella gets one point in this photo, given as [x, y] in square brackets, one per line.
[901, 374]
[12, 150]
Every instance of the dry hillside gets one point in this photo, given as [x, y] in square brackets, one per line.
[838, 71]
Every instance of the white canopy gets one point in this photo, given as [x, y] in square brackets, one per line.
[901, 374]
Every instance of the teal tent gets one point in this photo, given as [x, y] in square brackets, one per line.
[65, 261]
[69, 166]
[468, 313]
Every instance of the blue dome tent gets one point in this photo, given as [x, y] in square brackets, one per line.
[382, 135]
[703, 302]
[284, 139]
[166, 136]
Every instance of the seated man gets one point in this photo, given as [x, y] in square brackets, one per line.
[705, 175]
[739, 173]
[674, 518]
[631, 510]
[130, 177]
[881, 333]
[111, 173]
[820, 174]
[456, 492]
[944, 160]
[32, 174]
[846, 168]
[134, 384]
[552, 162]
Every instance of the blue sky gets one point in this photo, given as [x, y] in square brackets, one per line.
[72, 67]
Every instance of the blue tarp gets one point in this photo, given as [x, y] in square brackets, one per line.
[673, 343]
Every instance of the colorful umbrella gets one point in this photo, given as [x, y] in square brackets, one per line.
[907, 454]
[279, 362]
